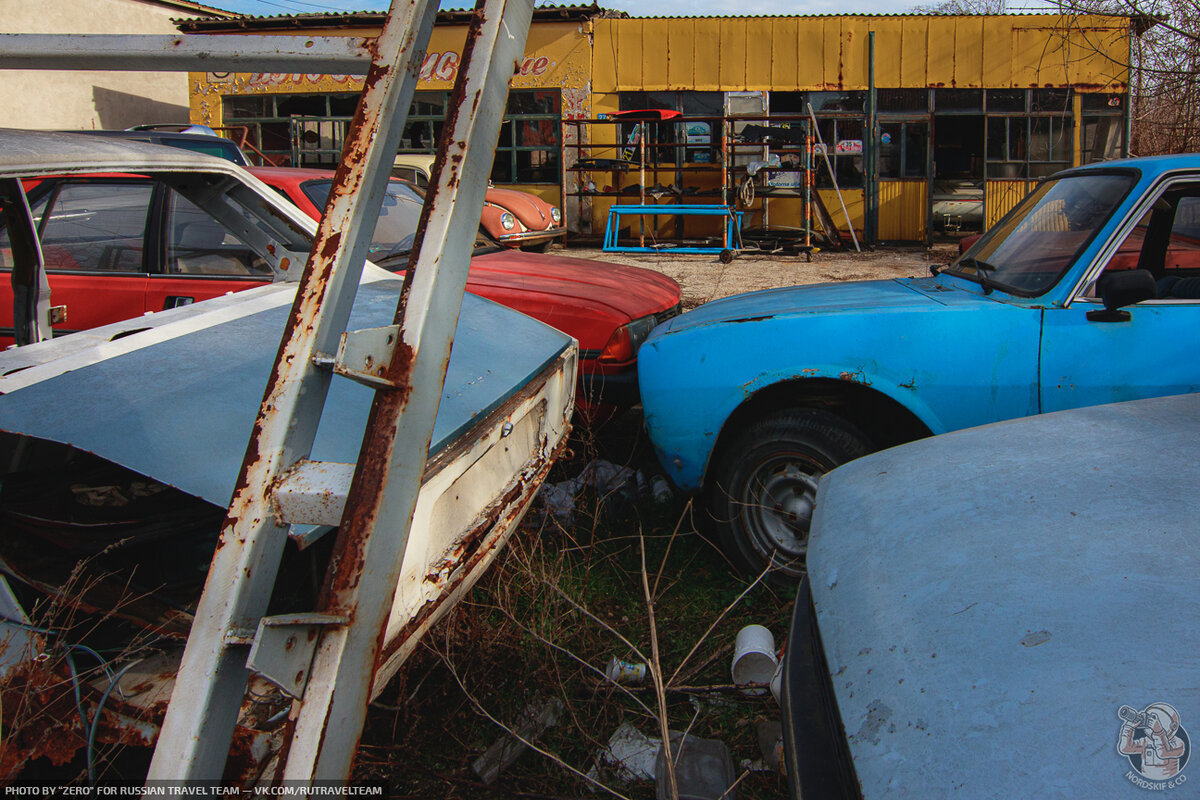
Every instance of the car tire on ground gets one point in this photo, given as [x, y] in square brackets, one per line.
[764, 486]
[540, 247]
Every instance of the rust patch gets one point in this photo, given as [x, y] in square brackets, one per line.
[39, 717]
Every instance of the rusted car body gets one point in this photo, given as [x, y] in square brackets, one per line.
[122, 445]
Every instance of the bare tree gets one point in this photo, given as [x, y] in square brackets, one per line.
[1163, 64]
[964, 7]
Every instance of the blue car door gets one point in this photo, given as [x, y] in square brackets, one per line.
[1152, 352]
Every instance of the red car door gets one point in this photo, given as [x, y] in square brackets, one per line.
[94, 241]
[201, 259]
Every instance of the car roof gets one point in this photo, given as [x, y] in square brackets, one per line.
[26, 153]
[291, 173]
[1149, 165]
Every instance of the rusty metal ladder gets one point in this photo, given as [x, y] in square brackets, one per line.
[326, 659]
[230, 636]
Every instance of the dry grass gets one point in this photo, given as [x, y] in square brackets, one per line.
[630, 580]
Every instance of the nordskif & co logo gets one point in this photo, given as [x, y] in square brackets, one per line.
[1156, 745]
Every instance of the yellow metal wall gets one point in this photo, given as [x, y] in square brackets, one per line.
[815, 53]
[903, 209]
[1000, 197]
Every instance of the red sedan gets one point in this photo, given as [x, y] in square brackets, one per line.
[120, 246]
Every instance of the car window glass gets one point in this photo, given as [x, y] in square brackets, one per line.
[95, 227]
[1034, 245]
[398, 216]
[197, 244]
[1166, 243]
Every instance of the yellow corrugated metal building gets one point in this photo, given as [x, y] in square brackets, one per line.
[946, 129]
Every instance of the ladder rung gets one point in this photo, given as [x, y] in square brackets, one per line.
[313, 493]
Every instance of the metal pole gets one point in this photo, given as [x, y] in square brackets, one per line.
[198, 728]
[871, 234]
[808, 193]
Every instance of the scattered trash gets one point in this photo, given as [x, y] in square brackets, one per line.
[602, 476]
[501, 755]
[754, 659]
[703, 769]
[662, 489]
[625, 671]
[630, 753]
[777, 684]
[770, 742]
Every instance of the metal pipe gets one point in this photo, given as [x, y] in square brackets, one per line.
[346, 55]
[871, 223]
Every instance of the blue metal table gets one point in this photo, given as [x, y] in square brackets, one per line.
[733, 227]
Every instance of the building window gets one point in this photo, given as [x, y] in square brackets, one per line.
[964, 100]
[309, 129]
[530, 138]
[843, 142]
[1028, 146]
[1102, 135]
[665, 141]
[902, 149]
[903, 100]
[424, 125]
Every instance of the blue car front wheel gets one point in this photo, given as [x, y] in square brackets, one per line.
[764, 487]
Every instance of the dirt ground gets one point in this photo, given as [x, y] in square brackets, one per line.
[705, 278]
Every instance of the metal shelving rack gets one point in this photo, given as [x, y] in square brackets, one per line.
[726, 147]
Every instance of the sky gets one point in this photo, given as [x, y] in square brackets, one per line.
[637, 7]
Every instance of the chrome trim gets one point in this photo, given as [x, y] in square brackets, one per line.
[526, 236]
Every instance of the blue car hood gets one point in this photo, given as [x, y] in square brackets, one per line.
[989, 599]
[177, 403]
[824, 298]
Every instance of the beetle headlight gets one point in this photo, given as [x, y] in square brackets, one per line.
[507, 221]
[556, 215]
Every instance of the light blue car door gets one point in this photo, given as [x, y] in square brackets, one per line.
[1152, 353]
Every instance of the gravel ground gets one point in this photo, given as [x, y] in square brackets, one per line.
[705, 278]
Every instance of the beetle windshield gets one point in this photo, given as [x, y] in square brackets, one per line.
[1030, 249]
[398, 218]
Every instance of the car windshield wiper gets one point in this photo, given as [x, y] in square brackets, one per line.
[982, 268]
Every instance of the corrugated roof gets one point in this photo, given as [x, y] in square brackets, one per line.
[857, 14]
[188, 5]
[356, 19]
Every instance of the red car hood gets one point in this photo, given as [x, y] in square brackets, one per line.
[531, 210]
[587, 299]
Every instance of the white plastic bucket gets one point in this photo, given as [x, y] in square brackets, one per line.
[754, 658]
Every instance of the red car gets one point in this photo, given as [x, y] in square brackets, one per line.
[119, 246]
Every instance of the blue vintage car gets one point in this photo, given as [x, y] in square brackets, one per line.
[1008, 611]
[1087, 292]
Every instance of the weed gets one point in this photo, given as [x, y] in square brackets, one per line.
[635, 581]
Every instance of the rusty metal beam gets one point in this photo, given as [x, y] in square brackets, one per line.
[346, 55]
[198, 728]
[375, 525]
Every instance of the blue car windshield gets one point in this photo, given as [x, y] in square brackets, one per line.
[1029, 250]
